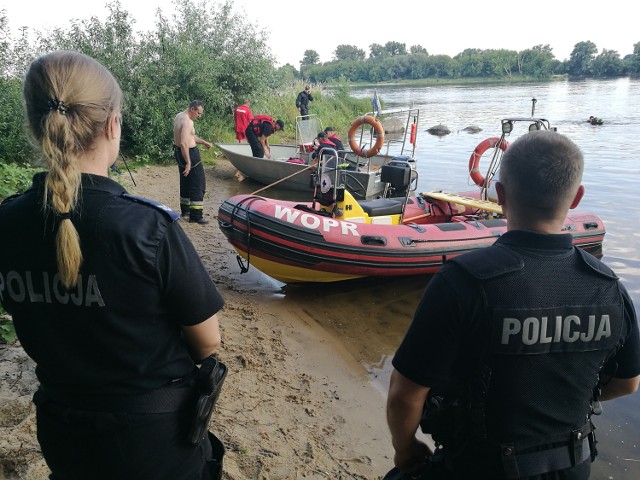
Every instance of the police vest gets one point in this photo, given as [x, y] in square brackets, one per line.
[545, 325]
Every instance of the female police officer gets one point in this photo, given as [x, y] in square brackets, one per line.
[107, 294]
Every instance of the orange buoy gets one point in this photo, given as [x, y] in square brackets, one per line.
[412, 137]
[474, 160]
[378, 134]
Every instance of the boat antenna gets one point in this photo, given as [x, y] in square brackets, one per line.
[533, 106]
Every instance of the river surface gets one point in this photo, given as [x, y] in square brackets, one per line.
[370, 316]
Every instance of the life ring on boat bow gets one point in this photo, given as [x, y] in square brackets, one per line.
[378, 133]
[476, 155]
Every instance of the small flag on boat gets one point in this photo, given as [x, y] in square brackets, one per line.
[377, 106]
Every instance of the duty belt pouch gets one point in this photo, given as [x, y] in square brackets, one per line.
[577, 444]
[208, 383]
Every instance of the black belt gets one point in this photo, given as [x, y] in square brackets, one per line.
[579, 449]
[162, 400]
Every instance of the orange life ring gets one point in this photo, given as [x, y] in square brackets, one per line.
[378, 133]
[474, 160]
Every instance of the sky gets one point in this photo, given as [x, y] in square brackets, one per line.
[444, 27]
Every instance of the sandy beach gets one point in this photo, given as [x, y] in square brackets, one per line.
[296, 403]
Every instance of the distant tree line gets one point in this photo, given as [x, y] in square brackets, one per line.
[392, 61]
[202, 53]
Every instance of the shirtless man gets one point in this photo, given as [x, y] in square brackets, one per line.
[192, 180]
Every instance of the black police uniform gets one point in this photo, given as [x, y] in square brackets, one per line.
[544, 317]
[116, 396]
[193, 186]
[302, 102]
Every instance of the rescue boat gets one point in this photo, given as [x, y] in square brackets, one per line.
[336, 237]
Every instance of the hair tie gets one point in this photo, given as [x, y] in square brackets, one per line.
[59, 106]
[64, 216]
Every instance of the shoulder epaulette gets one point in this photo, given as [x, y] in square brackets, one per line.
[10, 197]
[490, 262]
[172, 215]
[595, 264]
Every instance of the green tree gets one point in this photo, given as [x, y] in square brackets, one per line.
[211, 54]
[5, 44]
[348, 52]
[579, 63]
[287, 74]
[634, 60]
[502, 62]
[22, 53]
[14, 57]
[416, 49]
[607, 64]
[395, 48]
[536, 61]
[470, 63]
[440, 66]
[310, 57]
[14, 144]
[377, 51]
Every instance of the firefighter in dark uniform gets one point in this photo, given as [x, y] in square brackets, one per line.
[193, 183]
[107, 294]
[512, 347]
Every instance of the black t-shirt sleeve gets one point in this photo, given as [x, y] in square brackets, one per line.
[627, 359]
[430, 347]
[188, 291]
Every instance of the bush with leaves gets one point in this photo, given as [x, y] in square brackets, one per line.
[14, 143]
[15, 178]
[204, 51]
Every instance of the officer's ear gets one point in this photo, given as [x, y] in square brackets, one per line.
[114, 123]
[578, 197]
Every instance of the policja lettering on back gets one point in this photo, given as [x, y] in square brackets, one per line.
[536, 330]
[48, 289]
[546, 330]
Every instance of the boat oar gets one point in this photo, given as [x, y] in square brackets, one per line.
[283, 179]
[407, 220]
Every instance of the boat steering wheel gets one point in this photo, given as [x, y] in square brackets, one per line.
[354, 185]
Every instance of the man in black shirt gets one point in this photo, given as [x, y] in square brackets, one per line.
[258, 130]
[521, 340]
[302, 102]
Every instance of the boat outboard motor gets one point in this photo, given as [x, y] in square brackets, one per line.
[397, 175]
[405, 158]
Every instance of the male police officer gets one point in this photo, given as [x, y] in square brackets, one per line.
[521, 331]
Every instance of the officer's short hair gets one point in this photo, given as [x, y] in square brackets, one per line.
[542, 169]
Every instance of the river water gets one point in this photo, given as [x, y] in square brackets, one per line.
[370, 316]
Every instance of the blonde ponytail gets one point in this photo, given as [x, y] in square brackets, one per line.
[61, 192]
[68, 99]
